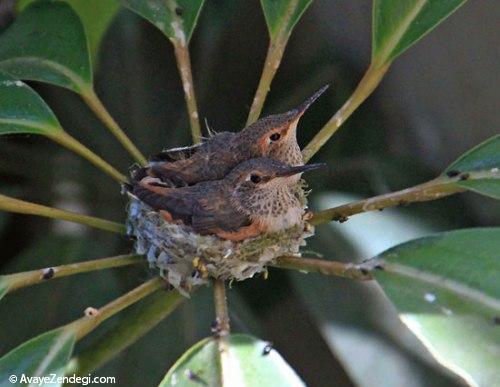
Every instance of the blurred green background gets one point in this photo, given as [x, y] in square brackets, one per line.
[438, 100]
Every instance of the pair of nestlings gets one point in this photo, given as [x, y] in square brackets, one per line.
[233, 185]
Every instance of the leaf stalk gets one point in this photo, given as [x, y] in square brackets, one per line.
[20, 280]
[275, 51]
[366, 86]
[184, 66]
[136, 324]
[221, 310]
[23, 207]
[330, 268]
[64, 139]
[87, 324]
[94, 103]
[435, 189]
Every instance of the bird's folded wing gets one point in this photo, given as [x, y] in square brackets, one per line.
[210, 223]
[179, 206]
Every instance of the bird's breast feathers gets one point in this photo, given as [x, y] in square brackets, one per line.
[287, 219]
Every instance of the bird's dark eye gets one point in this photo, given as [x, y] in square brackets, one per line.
[255, 179]
[275, 137]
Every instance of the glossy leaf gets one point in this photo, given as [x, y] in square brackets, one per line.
[397, 24]
[244, 362]
[484, 157]
[176, 19]
[96, 16]
[282, 15]
[47, 43]
[446, 290]
[24, 111]
[357, 333]
[39, 357]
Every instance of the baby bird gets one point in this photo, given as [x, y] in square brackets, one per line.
[273, 137]
[254, 198]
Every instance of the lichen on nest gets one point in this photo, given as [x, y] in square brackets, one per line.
[187, 259]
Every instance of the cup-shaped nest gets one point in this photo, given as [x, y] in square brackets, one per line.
[187, 259]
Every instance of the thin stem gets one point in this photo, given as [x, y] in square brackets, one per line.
[22, 207]
[134, 325]
[273, 59]
[221, 311]
[72, 144]
[222, 330]
[431, 190]
[368, 83]
[21, 280]
[87, 324]
[92, 100]
[331, 268]
[272, 62]
[184, 65]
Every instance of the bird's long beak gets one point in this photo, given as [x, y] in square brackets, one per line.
[299, 110]
[299, 169]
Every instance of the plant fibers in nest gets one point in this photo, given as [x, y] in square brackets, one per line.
[187, 259]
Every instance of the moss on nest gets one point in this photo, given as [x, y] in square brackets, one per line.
[187, 259]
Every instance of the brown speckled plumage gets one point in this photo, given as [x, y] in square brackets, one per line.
[236, 204]
[216, 156]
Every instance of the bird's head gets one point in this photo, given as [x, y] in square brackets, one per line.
[275, 136]
[258, 182]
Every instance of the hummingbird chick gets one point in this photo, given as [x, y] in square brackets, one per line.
[256, 197]
[273, 136]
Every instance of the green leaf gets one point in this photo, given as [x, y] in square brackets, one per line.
[243, 361]
[356, 333]
[282, 15]
[176, 19]
[484, 157]
[39, 357]
[399, 24]
[96, 16]
[47, 43]
[24, 111]
[446, 290]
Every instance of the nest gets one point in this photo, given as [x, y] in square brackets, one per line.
[187, 259]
